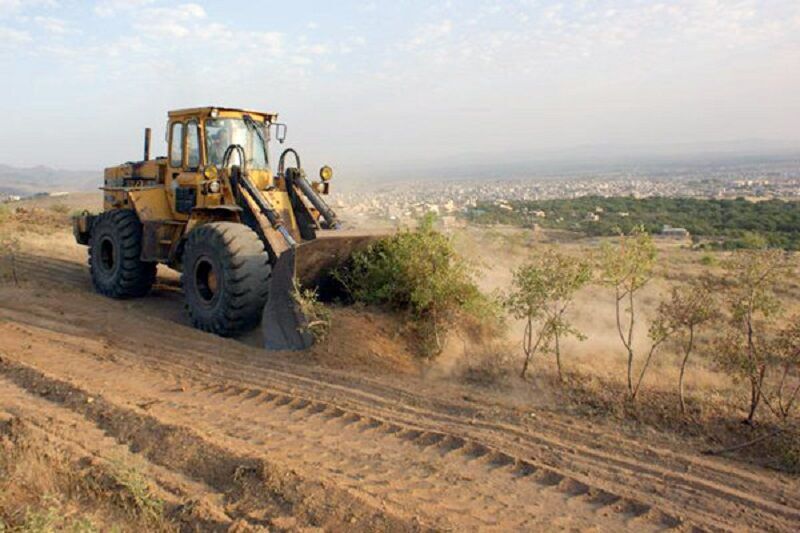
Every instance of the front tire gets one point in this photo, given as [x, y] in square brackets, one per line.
[225, 278]
[115, 246]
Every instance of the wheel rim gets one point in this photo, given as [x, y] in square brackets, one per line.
[206, 280]
[107, 260]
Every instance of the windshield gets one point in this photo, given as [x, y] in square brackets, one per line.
[223, 132]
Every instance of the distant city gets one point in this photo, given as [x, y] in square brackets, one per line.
[400, 201]
[408, 200]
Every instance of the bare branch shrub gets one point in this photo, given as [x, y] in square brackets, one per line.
[784, 357]
[318, 316]
[9, 249]
[688, 308]
[542, 291]
[627, 268]
[745, 345]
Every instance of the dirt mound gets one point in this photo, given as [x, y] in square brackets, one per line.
[37, 218]
[367, 339]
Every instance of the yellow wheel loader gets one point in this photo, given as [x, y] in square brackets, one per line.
[241, 235]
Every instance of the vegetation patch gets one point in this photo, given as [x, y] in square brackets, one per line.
[487, 365]
[732, 224]
[542, 291]
[711, 420]
[318, 316]
[43, 488]
[420, 273]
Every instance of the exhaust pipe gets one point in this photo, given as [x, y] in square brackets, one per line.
[147, 144]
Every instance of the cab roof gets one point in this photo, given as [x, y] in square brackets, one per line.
[206, 111]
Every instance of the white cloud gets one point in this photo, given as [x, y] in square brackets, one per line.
[10, 37]
[8, 6]
[171, 22]
[430, 33]
[269, 43]
[315, 49]
[54, 25]
[108, 8]
[11, 7]
[352, 43]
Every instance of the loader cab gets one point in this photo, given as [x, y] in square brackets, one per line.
[197, 141]
[220, 133]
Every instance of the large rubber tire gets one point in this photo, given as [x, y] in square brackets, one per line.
[225, 278]
[115, 245]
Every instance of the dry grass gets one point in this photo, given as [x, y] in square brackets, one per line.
[486, 365]
[44, 488]
[714, 418]
[596, 367]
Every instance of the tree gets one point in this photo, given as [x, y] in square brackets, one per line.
[745, 345]
[627, 267]
[9, 247]
[785, 356]
[688, 308]
[542, 291]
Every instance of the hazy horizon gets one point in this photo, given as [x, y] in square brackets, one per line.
[371, 85]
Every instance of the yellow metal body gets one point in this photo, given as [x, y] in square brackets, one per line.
[153, 188]
[173, 195]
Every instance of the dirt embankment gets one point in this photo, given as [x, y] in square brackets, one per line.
[350, 437]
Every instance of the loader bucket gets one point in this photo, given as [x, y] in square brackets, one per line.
[283, 324]
[318, 258]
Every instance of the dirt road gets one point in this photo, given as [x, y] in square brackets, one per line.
[261, 441]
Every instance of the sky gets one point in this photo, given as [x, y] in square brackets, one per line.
[377, 84]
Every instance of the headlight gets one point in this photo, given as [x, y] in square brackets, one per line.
[211, 172]
[213, 187]
[326, 173]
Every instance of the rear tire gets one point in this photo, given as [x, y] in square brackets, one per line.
[115, 246]
[225, 278]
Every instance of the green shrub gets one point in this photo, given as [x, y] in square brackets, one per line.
[136, 495]
[708, 260]
[318, 316]
[420, 273]
[789, 451]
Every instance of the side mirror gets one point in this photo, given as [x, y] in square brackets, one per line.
[280, 132]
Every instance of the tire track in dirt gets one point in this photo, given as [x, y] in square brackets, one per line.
[712, 488]
[263, 485]
[704, 497]
[196, 506]
[434, 474]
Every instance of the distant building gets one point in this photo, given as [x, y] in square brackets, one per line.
[592, 217]
[675, 233]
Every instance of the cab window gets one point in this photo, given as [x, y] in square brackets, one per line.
[176, 146]
[192, 146]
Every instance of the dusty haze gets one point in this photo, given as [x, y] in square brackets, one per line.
[365, 85]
